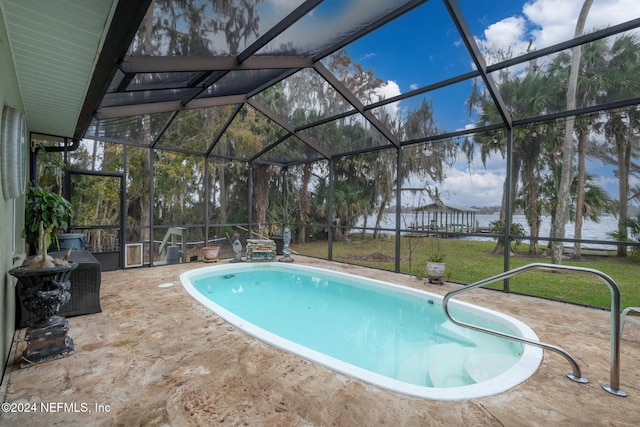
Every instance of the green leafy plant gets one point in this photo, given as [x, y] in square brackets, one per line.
[47, 207]
[436, 258]
[516, 232]
[435, 253]
[633, 224]
[278, 218]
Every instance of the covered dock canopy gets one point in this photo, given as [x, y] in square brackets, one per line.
[445, 218]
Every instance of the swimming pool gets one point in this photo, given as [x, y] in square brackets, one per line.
[388, 335]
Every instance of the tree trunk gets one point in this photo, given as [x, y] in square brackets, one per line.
[582, 173]
[224, 191]
[499, 247]
[260, 192]
[379, 216]
[623, 151]
[304, 202]
[512, 187]
[532, 209]
[562, 208]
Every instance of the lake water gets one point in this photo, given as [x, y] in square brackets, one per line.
[590, 230]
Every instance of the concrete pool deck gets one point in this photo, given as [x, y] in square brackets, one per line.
[155, 356]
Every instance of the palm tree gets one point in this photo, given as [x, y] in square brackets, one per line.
[524, 96]
[621, 126]
[557, 227]
[596, 201]
[589, 86]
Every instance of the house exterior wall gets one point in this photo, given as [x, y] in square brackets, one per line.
[11, 210]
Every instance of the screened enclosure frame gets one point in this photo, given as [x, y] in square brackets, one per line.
[128, 84]
[212, 69]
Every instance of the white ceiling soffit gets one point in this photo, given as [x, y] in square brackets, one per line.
[55, 44]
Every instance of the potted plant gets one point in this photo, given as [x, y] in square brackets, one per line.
[43, 282]
[436, 265]
[49, 211]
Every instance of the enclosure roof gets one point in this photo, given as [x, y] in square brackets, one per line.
[442, 207]
[194, 76]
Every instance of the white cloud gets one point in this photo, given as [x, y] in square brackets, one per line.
[548, 22]
[386, 91]
[607, 13]
[465, 184]
[462, 189]
[389, 89]
[505, 34]
[472, 189]
[474, 184]
[554, 20]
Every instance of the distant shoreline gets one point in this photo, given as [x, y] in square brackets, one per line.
[590, 230]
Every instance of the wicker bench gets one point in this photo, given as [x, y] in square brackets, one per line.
[85, 290]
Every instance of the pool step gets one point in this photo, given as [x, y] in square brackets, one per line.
[452, 333]
[484, 366]
[447, 370]
[483, 357]
[414, 369]
[464, 358]
[470, 338]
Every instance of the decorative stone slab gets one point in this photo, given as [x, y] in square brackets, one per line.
[261, 250]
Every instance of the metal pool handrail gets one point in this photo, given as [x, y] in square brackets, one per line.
[614, 386]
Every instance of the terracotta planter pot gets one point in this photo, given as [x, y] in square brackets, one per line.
[210, 253]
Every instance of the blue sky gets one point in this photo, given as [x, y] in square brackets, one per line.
[431, 49]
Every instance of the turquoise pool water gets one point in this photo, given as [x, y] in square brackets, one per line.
[388, 335]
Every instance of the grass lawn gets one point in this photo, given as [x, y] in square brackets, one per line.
[470, 261]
